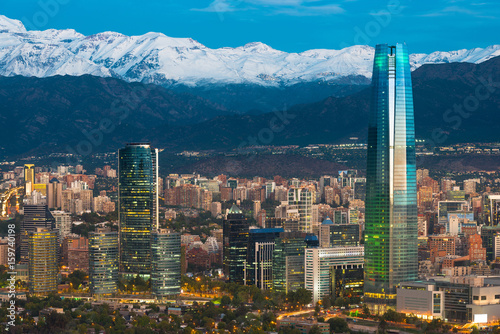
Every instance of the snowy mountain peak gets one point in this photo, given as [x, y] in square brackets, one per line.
[160, 59]
[10, 25]
[257, 47]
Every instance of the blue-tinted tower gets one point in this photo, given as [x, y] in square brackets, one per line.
[391, 186]
[137, 206]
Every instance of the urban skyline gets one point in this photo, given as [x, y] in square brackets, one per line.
[192, 189]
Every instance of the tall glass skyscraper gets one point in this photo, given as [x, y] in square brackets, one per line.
[137, 206]
[166, 264]
[235, 241]
[42, 265]
[391, 188]
[103, 262]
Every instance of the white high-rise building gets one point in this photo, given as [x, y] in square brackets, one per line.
[303, 199]
[319, 263]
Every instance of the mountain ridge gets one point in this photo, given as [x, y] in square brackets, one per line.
[159, 59]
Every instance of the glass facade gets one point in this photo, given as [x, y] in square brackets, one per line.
[288, 262]
[259, 266]
[137, 206]
[235, 239]
[103, 262]
[42, 265]
[35, 216]
[391, 196]
[166, 263]
[337, 235]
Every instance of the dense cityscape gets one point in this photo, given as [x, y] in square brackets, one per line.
[129, 247]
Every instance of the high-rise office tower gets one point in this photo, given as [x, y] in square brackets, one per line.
[391, 185]
[288, 262]
[35, 216]
[42, 265]
[259, 265]
[29, 178]
[338, 235]
[325, 270]
[62, 223]
[303, 199]
[137, 206]
[103, 262]
[491, 209]
[54, 194]
[165, 263]
[235, 242]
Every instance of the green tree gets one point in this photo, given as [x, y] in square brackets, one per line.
[382, 327]
[225, 301]
[315, 330]
[327, 302]
[338, 325]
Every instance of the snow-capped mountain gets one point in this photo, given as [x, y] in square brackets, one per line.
[156, 58]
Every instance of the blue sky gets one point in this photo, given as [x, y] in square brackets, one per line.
[288, 25]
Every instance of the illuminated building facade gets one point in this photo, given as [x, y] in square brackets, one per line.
[42, 265]
[35, 216]
[288, 262]
[103, 262]
[137, 206]
[165, 263]
[303, 199]
[324, 266]
[29, 178]
[235, 242]
[391, 189]
[259, 265]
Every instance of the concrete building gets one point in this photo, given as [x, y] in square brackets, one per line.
[63, 223]
[320, 266]
[422, 299]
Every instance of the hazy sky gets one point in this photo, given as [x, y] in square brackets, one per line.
[288, 25]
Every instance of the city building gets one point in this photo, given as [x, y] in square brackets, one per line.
[491, 209]
[302, 198]
[137, 206]
[29, 178]
[75, 253]
[333, 235]
[42, 264]
[422, 299]
[4, 251]
[322, 268]
[391, 186]
[35, 216]
[63, 223]
[259, 264]
[103, 262]
[288, 262]
[235, 242]
[54, 194]
[165, 264]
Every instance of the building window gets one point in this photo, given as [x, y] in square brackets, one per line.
[483, 297]
[497, 296]
[475, 297]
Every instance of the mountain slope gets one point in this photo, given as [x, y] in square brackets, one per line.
[156, 58]
[50, 114]
[437, 89]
